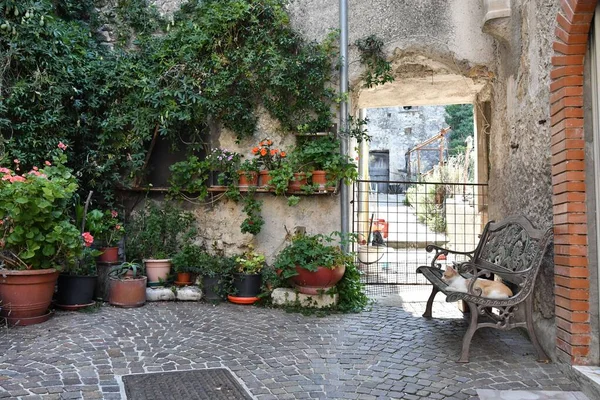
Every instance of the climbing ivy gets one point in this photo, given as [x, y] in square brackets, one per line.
[377, 69]
[216, 60]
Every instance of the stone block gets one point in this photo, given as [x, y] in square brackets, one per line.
[159, 294]
[284, 296]
[189, 293]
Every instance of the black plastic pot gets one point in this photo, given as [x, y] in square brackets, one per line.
[75, 290]
[212, 288]
[247, 285]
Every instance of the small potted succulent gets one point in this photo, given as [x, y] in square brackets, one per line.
[127, 285]
[311, 263]
[247, 279]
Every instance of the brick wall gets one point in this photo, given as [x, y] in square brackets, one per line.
[568, 182]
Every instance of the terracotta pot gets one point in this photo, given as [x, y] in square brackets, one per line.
[128, 293]
[109, 255]
[183, 278]
[157, 270]
[264, 178]
[248, 178]
[26, 295]
[317, 282]
[319, 177]
[297, 182]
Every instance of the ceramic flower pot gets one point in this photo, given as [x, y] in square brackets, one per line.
[109, 255]
[128, 293]
[247, 178]
[319, 281]
[319, 178]
[297, 182]
[26, 295]
[264, 178]
[157, 270]
[183, 279]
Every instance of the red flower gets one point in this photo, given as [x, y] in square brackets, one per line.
[255, 150]
[274, 152]
[117, 227]
[263, 152]
[113, 213]
[87, 238]
[282, 154]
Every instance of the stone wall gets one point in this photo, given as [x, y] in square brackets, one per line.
[519, 158]
[397, 129]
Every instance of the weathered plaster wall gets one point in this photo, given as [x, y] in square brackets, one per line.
[398, 130]
[520, 170]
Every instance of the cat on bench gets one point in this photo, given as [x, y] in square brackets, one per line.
[490, 289]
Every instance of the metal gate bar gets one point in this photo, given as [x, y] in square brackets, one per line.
[395, 227]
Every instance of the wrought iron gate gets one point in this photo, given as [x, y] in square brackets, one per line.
[394, 229]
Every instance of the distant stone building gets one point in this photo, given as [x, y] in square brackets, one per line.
[396, 130]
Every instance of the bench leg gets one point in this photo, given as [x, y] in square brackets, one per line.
[541, 355]
[464, 356]
[427, 313]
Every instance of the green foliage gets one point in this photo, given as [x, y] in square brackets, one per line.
[251, 262]
[127, 270]
[86, 265]
[357, 129]
[428, 202]
[218, 59]
[323, 153]
[460, 119]
[190, 175]
[309, 252]
[158, 232]
[191, 258]
[105, 227]
[378, 70]
[254, 220]
[217, 266]
[35, 227]
[351, 291]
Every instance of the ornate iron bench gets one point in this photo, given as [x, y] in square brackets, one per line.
[512, 249]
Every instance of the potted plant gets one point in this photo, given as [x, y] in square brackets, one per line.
[321, 155]
[187, 262]
[248, 173]
[223, 165]
[268, 159]
[311, 263]
[77, 282]
[247, 278]
[214, 269]
[155, 234]
[107, 229]
[127, 285]
[36, 237]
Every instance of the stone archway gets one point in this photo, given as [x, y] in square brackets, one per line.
[572, 274]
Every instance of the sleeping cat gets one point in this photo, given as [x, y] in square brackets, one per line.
[490, 289]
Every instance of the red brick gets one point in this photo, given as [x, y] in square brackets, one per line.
[566, 102]
[573, 339]
[568, 144]
[569, 261]
[569, 208]
[569, 50]
[572, 283]
[566, 81]
[572, 272]
[565, 124]
[571, 327]
[570, 27]
[583, 6]
[569, 218]
[572, 305]
[567, 134]
[569, 250]
[574, 294]
[570, 239]
[569, 197]
[568, 176]
[571, 38]
[575, 91]
[572, 316]
[567, 60]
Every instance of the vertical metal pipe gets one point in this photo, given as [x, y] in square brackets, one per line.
[363, 187]
[344, 193]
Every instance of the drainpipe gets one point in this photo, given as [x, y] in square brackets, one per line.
[363, 187]
[344, 193]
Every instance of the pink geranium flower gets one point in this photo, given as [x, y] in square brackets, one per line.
[87, 238]
[48, 163]
[114, 214]
[62, 146]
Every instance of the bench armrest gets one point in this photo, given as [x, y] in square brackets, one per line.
[440, 250]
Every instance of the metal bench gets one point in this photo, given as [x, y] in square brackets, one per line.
[511, 249]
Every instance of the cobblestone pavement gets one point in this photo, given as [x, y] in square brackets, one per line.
[387, 352]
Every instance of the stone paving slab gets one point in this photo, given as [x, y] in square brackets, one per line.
[387, 352]
[485, 394]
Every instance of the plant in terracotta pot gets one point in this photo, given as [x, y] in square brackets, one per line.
[107, 229]
[312, 263]
[127, 285]
[37, 237]
[187, 263]
[268, 159]
[321, 155]
[155, 234]
[247, 278]
[248, 173]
